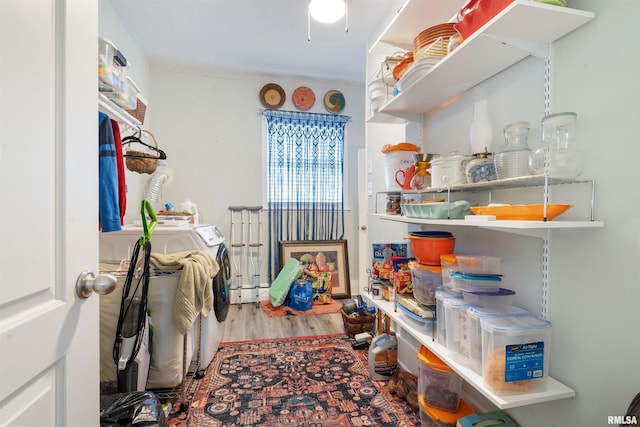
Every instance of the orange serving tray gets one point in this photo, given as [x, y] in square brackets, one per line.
[521, 212]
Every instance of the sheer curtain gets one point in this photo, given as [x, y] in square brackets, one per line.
[305, 172]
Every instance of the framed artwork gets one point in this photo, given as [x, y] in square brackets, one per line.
[321, 255]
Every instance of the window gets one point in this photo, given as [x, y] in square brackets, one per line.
[305, 158]
[305, 178]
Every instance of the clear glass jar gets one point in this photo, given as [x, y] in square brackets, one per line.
[393, 204]
[557, 156]
[513, 158]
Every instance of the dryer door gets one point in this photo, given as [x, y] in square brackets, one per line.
[222, 284]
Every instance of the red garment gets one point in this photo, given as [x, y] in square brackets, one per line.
[122, 184]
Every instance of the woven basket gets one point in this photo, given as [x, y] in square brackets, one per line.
[140, 110]
[357, 324]
[142, 162]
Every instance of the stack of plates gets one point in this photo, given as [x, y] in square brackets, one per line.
[430, 36]
[418, 69]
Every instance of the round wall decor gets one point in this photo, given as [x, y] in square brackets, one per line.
[303, 98]
[272, 95]
[334, 101]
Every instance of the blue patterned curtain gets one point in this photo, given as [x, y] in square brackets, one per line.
[305, 171]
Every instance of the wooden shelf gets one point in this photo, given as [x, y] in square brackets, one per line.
[555, 390]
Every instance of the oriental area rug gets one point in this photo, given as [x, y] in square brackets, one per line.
[302, 381]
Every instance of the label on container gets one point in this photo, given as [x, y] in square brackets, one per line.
[524, 361]
[399, 250]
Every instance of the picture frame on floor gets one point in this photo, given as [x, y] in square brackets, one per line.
[321, 255]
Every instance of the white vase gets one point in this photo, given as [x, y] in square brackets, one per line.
[481, 132]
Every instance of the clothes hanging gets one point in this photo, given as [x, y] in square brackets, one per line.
[122, 184]
[109, 208]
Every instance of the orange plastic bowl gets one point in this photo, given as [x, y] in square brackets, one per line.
[427, 250]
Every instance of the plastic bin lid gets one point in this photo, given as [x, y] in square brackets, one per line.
[446, 417]
[449, 259]
[431, 360]
[482, 277]
[456, 303]
[403, 146]
[415, 265]
[505, 310]
[514, 325]
[442, 294]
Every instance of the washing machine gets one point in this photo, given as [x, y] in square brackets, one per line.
[117, 246]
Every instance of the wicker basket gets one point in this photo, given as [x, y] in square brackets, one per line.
[357, 324]
[143, 162]
[140, 110]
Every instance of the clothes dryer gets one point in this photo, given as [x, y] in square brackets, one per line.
[116, 246]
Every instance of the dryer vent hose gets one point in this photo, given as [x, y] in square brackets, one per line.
[162, 176]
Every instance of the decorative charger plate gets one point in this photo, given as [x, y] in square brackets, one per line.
[521, 212]
[303, 98]
[334, 101]
[272, 95]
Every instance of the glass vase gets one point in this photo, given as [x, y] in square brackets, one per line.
[513, 158]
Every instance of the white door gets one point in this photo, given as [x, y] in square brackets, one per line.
[49, 372]
[364, 260]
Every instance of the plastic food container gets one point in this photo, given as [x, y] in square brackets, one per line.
[479, 264]
[439, 385]
[490, 299]
[476, 314]
[434, 417]
[457, 325]
[441, 329]
[425, 279]
[476, 283]
[507, 342]
[449, 264]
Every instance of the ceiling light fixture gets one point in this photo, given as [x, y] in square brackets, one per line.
[327, 12]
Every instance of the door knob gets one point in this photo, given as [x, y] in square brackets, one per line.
[363, 227]
[88, 282]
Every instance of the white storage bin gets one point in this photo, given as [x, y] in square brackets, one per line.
[476, 314]
[515, 354]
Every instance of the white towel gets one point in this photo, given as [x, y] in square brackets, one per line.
[195, 292]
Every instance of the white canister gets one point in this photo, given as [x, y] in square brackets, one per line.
[376, 291]
[449, 171]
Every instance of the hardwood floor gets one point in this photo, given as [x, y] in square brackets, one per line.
[251, 323]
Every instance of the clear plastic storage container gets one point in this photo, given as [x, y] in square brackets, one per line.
[457, 325]
[441, 327]
[479, 264]
[515, 354]
[425, 279]
[476, 314]
[449, 264]
[439, 385]
[490, 299]
[434, 417]
[112, 67]
[476, 283]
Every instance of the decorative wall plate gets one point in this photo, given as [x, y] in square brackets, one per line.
[272, 95]
[334, 101]
[303, 98]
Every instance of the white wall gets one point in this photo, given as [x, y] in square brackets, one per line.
[594, 279]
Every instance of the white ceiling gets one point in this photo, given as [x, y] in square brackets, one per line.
[265, 36]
